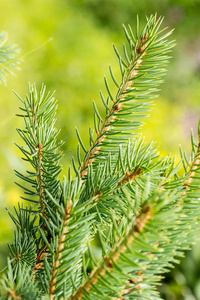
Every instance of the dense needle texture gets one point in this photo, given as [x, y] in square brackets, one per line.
[125, 197]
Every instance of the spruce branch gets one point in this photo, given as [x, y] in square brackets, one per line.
[177, 241]
[41, 150]
[17, 284]
[162, 239]
[109, 261]
[148, 59]
[132, 168]
[193, 169]
[126, 195]
[191, 166]
[126, 268]
[23, 250]
[70, 229]
[9, 59]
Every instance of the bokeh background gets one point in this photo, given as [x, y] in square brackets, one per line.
[74, 64]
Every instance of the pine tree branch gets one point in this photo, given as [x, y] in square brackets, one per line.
[131, 169]
[9, 59]
[39, 135]
[191, 172]
[194, 166]
[18, 284]
[108, 261]
[124, 193]
[23, 249]
[165, 235]
[117, 106]
[40, 139]
[124, 118]
[69, 228]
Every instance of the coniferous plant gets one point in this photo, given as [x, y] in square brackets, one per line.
[9, 58]
[125, 196]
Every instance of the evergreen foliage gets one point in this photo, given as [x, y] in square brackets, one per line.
[8, 58]
[125, 195]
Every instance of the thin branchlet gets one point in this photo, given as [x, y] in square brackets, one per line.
[39, 157]
[40, 176]
[130, 176]
[195, 164]
[128, 82]
[12, 294]
[40, 258]
[40, 138]
[58, 254]
[127, 178]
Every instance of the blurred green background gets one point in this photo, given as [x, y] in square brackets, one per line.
[74, 64]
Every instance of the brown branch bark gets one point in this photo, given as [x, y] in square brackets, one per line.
[13, 295]
[58, 255]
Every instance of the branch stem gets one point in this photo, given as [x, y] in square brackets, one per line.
[58, 254]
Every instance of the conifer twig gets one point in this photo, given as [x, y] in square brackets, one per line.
[132, 71]
[60, 247]
[108, 261]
